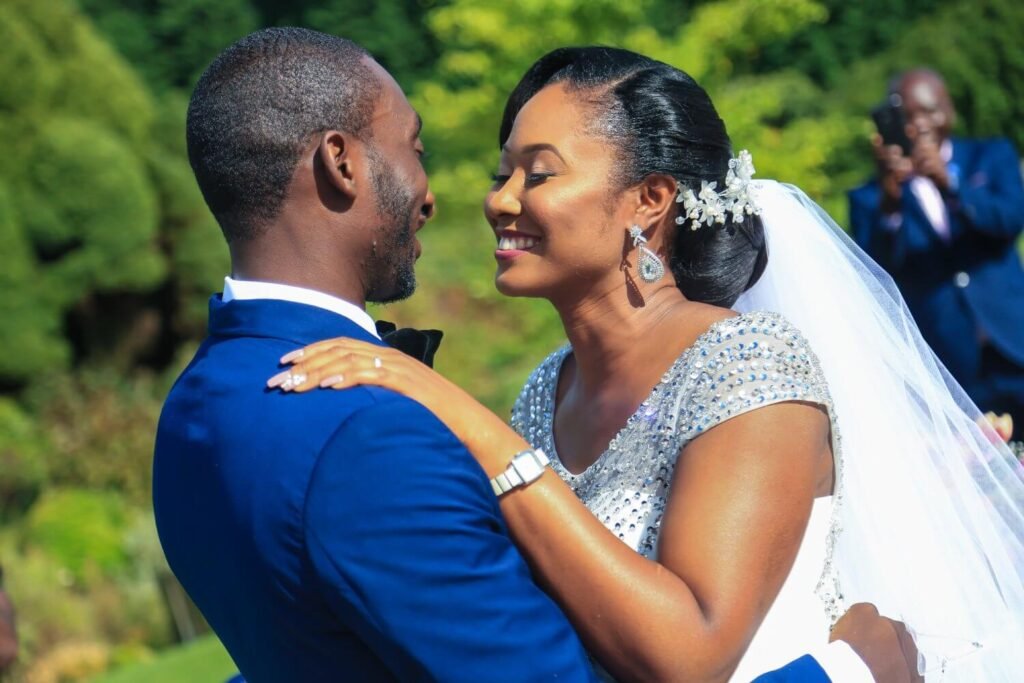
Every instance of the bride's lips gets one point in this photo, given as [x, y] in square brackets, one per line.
[513, 244]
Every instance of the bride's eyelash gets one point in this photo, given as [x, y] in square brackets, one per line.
[531, 178]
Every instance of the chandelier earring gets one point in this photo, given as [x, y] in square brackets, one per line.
[650, 266]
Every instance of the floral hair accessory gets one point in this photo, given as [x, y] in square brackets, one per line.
[710, 206]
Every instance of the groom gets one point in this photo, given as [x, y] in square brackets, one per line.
[347, 535]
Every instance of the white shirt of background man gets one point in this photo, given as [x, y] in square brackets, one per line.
[929, 198]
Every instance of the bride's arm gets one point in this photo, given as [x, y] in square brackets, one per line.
[739, 503]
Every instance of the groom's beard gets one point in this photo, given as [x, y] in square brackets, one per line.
[392, 275]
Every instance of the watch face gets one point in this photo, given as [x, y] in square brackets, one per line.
[527, 466]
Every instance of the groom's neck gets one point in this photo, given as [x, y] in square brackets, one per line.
[316, 269]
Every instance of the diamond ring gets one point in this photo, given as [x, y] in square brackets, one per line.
[377, 363]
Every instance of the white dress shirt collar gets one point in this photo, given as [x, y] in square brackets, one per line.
[254, 289]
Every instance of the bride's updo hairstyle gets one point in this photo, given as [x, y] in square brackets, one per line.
[659, 120]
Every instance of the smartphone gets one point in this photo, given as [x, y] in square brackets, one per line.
[892, 123]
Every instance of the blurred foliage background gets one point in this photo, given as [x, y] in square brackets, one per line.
[110, 254]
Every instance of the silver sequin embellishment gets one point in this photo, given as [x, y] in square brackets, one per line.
[737, 365]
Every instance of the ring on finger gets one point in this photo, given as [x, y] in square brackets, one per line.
[377, 362]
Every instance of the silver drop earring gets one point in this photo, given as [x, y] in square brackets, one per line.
[650, 266]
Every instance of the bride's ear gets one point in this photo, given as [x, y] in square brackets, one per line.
[656, 206]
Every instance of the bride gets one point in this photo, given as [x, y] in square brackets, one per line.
[746, 432]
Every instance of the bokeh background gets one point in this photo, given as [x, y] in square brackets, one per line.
[108, 254]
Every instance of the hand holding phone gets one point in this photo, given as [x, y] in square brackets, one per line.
[892, 123]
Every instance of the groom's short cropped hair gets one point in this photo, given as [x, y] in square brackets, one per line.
[258, 105]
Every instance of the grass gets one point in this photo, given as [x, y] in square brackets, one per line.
[202, 661]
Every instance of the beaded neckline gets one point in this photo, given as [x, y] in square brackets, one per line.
[737, 365]
[550, 399]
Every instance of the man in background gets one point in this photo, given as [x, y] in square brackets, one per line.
[943, 218]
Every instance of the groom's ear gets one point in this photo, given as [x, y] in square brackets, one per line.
[340, 159]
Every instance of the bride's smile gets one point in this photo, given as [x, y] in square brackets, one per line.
[512, 243]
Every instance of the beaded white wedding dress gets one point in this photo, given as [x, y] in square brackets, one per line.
[738, 365]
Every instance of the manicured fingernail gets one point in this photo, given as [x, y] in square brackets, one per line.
[331, 381]
[292, 355]
[278, 379]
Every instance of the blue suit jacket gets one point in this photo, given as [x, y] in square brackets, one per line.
[975, 280]
[343, 535]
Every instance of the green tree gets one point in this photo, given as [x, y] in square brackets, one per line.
[111, 247]
[394, 31]
[78, 211]
[90, 210]
[172, 41]
[854, 30]
[160, 36]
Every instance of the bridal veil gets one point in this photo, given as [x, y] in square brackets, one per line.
[930, 504]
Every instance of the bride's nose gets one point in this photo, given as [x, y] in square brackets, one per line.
[503, 200]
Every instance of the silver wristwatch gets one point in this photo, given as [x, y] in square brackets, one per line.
[526, 466]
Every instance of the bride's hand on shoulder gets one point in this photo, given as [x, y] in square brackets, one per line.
[343, 363]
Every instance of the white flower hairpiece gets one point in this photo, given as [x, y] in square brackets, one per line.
[710, 206]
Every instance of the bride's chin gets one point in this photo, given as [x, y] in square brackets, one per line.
[507, 285]
[506, 289]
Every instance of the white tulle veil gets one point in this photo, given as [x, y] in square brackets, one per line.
[931, 504]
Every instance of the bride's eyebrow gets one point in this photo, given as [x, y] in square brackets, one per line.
[535, 147]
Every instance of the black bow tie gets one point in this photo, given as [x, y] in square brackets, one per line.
[420, 344]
